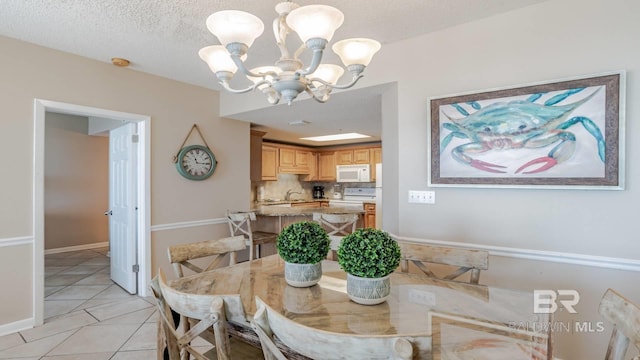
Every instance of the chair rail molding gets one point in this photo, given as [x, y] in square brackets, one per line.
[539, 255]
[188, 224]
[16, 241]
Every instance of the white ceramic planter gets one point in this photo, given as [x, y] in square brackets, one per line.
[302, 275]
[368, 291]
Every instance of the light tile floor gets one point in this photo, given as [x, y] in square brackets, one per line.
[87, 316]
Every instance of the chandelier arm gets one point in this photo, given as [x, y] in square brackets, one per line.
[299, 52]
[315, 62]
[354, 80]
[226, 86]
[243, 69]
[316, 98]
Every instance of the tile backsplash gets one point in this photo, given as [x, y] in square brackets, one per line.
[276, 190]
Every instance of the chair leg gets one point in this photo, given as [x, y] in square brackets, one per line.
[258, 251]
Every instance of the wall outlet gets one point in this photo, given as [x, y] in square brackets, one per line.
[422, 197]
[422, 297]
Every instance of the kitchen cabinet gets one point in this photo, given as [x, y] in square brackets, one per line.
[354, 156]
[255, 155]
[269, 165]
[369, 215]
[306, 204]
[313, 167]
[293, 161]
[376, 157]
[327, 166]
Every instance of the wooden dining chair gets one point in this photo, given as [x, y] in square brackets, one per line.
[625, 317]
[240, 224]
[218, 250]
[208, 309]
[337, 226]
[466, 260]
[205, 309]
[318, 344]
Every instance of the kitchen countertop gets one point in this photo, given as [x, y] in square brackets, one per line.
[267, 210]
[296, 201]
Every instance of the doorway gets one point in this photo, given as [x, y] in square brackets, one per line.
[142, 124]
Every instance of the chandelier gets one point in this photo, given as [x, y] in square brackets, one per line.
[314, 24]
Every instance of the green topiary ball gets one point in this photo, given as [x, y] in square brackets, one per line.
[303, 242]
[369, 253]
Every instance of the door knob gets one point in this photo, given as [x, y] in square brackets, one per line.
[108, 212]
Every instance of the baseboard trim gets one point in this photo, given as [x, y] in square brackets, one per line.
[76, 248]
[188, 224]
[15, 241]
[540, 255]
[16, 326]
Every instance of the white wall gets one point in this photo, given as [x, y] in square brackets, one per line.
[552, 40]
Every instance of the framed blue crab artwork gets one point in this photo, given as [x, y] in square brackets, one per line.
[566, 134]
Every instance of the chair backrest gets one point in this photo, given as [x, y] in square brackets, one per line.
[626, 319]
[337, 226]
[209, 309]
[181, 255]
[318, 344]
[464, 259]
[240, 223]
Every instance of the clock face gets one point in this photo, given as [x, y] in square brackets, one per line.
[196, 162]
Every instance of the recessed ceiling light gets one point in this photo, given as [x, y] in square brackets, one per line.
[347, 136]
[299, 122]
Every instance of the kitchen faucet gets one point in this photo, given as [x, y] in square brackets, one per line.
[290, 192]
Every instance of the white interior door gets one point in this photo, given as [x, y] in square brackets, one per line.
[122, 206]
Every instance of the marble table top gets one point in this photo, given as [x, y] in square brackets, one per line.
[460, 319]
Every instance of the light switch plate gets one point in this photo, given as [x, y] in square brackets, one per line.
[422, 197]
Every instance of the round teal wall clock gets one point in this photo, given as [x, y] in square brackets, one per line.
[196, 162]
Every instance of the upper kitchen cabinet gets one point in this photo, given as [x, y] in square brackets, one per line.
[255, 154]
[293, 160]
[269, 159]
[355, 156]
[327, 166]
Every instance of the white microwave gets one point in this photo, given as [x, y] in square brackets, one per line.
[353, 173]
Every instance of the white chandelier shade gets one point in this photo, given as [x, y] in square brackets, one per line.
[315, 21]
[232, 26]
[314, 24]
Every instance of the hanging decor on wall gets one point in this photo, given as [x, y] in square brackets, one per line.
[561, 134]
[195, 162]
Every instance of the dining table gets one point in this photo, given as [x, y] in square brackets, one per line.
[455, 320]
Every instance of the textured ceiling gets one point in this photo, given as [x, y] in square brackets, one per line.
[162, 37]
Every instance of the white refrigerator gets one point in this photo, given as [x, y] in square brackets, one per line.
[378, 196]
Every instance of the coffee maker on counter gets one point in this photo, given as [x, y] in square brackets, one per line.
[318, 192]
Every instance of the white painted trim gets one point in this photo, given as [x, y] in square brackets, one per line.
[188, 224]
[143, 185]
[76, 248]
[16, 326]
[540, 255]
[16, 241]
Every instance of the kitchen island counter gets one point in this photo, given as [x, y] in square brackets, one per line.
[275, 218]
[271, 210]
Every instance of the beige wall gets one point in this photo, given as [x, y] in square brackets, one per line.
[76, 183]
[552, 40]
[30, 72]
